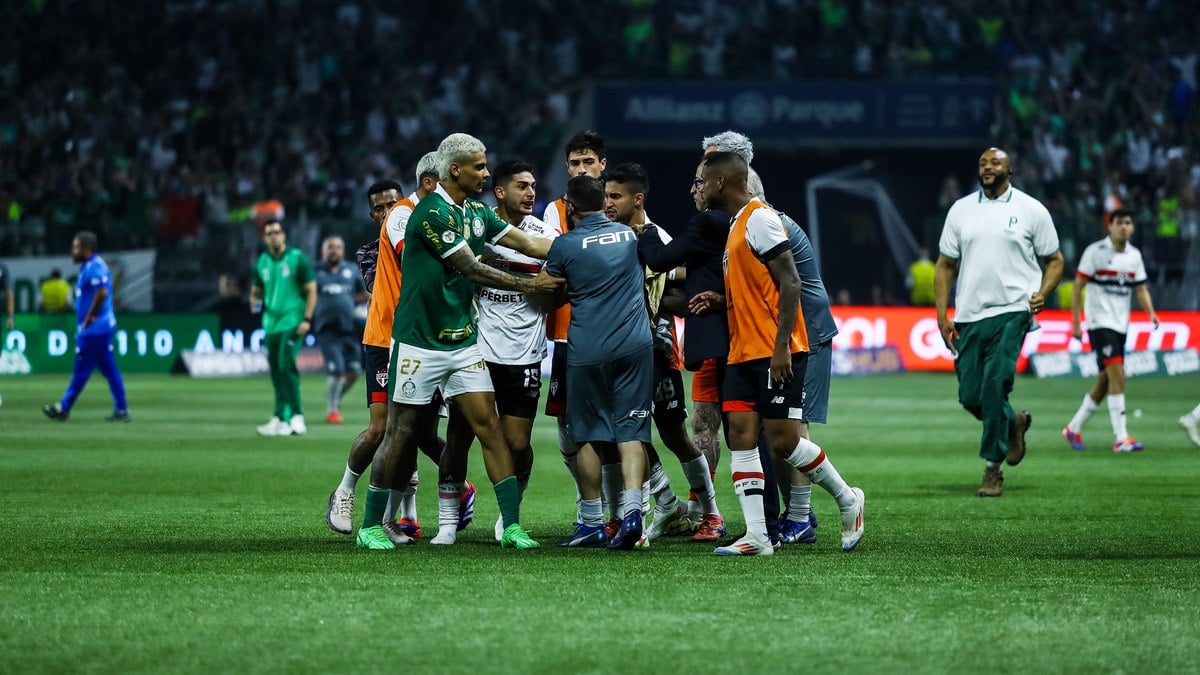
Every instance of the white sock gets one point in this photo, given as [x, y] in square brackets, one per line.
[570, 456]
[748, 484]
[1194, 415]
[611, 483]
[395, 500]
[349, 480]
[448, 510]
[799, 503]
[810, 459]
[333, 392]
[700, 481]
[631, 501]
[1116, 413]
[1086, 408]
[408, 509]
[665, 500]
[645, 507]
[592, 512]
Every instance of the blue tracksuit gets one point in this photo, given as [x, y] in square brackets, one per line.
[93, 342]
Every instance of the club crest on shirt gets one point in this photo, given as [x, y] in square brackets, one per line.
[477, 227]
[448, 237]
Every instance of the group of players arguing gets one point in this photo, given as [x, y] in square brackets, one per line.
[479, 305]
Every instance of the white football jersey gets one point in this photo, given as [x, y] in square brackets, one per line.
[511, 331]
[1111, 277]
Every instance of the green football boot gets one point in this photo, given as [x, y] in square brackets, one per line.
[515, 536]
[375, 538]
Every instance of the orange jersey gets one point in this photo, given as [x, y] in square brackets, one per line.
[751, 294]
[559, 320]
[386, 293]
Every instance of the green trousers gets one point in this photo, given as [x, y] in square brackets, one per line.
[986, 367]
[282, 349]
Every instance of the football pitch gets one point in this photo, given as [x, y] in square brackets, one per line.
[183, 542]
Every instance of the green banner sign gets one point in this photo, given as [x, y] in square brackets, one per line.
[143, 343]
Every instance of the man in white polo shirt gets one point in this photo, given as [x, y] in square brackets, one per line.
[992, 241]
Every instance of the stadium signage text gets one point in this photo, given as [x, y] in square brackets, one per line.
[914, 333]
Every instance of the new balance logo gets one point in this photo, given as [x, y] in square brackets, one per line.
[777, 399]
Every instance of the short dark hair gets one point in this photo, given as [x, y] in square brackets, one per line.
[727, 161]
[55, 273]
[631, 175]
[507, 170]
[87, 239]
[586, 140]
[1121, 213]
[585, 193]
[383, 186]
[274, 221]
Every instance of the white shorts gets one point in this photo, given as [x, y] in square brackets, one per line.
[417, 373]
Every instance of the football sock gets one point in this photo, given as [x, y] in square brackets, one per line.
[333, 392]
[1194, 415]
[377, 499]
[1086, 408]
[394, 504]
[631, 501]
[570, 456]
[509, 500]
[349, 480]
[408, 507]
[992, 465]
[592, 512]
[448, 507]
[611, 483]
[645, 506]
[665, 500]
[800, 503]
[810, 459]
[700, 479]
[1116, 413]
[748, 484]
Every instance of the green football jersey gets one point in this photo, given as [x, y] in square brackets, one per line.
[436, 309]
[282, 280]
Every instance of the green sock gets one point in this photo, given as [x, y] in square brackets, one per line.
[377, 499]
[509, 499]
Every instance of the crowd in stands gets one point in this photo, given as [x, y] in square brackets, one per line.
[151, 120]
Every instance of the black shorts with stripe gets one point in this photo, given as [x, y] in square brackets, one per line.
[748, 388]
[518, 388]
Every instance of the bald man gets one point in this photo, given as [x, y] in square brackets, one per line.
[1001, 245]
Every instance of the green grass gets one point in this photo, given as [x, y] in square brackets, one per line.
[183, 542]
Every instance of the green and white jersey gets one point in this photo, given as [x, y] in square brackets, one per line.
[282, 281]
[436, 302]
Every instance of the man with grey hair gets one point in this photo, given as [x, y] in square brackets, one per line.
[798, 524]
[435, 347]
[730, 141]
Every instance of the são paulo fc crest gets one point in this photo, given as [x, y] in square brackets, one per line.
[553, 387]
[408, 389]
[477, 227]
[381, 378]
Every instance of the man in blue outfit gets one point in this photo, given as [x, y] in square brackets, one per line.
[93, 338]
